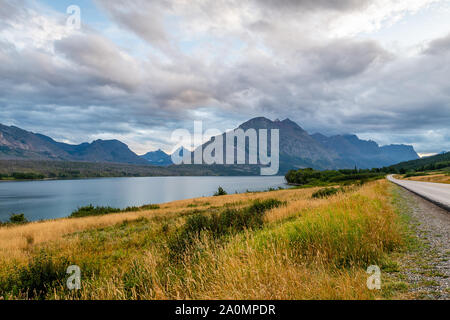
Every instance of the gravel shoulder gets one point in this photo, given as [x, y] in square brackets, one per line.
[425, 264]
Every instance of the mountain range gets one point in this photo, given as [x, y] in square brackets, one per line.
[158, 158]
[16, 143]
[298, 149]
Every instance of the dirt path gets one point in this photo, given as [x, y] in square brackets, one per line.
[426, 266]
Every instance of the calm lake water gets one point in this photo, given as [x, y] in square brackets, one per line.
[56, 199]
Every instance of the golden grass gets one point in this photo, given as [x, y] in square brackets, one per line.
[437, 178]
[308, 249]
[234, 272]
[15, 241]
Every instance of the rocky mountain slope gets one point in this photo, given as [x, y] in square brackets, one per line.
[16, 143]
[298, 149]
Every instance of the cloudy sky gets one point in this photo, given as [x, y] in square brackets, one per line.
[138, 69]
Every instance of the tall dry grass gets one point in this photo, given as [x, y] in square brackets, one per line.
[437, 178]
[15, 241]
[307, 249]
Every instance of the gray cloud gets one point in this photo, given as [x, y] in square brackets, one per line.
[253, 62]
[346, 58]
[10, 10]
[102, 59]
[342, 5]
[439, 46]
[144, 18]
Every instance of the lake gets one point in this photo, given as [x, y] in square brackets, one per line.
[40, 200]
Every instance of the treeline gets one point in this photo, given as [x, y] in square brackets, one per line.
[311, 177]
[22, 176]
[35, 170]
[437, 162]
[426, 167]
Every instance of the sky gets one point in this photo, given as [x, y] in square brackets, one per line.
[136, 70]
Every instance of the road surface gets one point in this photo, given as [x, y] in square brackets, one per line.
[438, 193]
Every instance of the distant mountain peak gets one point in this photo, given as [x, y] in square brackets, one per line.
[17, 143]
[256, 121]
[157, 158]
[265, 123]
[289, 123]
[159, 151]
[297, 148]
[365, 153]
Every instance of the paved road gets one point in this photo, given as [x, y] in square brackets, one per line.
[439, 193]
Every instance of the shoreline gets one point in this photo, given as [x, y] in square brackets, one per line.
[35, 215]
[159, 176]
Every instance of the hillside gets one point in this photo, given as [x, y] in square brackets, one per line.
[16, 143]
[429, 163]
[44, 169]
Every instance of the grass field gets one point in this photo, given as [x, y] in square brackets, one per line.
[272, 245]
[432, 177]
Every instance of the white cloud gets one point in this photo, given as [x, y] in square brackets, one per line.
[379, 14]
[226, 61]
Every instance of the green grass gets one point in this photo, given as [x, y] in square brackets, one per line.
[415, 174]
[326, 192]
[229, 221]
[324, 231]
[90, 210]
[36, 279]
[245, 249]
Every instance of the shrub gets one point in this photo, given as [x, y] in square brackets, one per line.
[261, 206]
[90, 210]
[18, 219]
[186, 236]
[220, 192]
[150, 207]
[218, 225]
[37, 278]
[144, 207]
[314, 177]
[324, 193]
